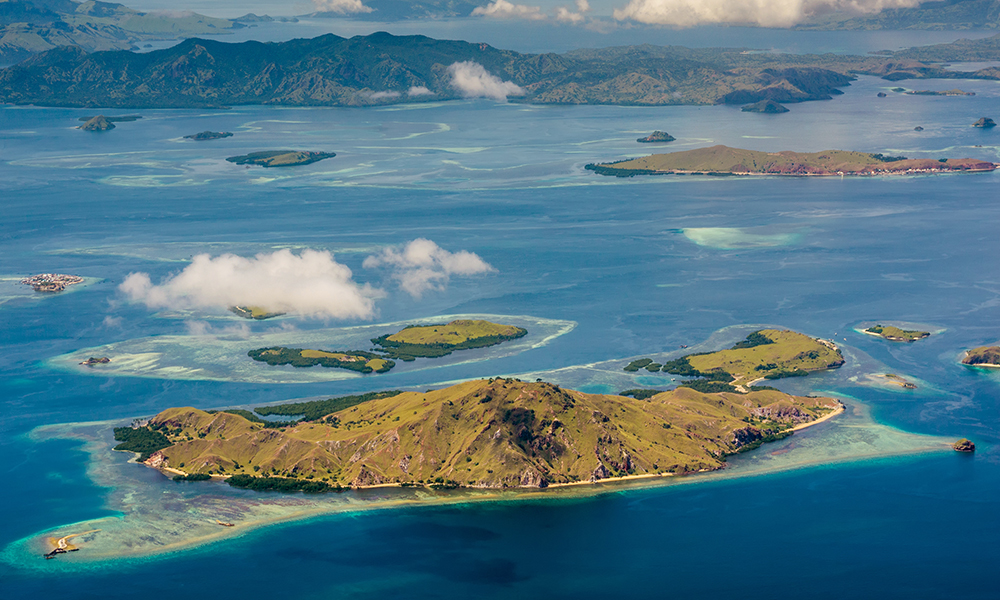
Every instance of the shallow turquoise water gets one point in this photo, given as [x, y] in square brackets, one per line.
[617, 257]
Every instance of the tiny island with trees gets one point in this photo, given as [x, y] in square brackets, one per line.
[895, 334]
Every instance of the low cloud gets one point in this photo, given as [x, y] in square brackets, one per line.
[309, 284]
[419, 90]
[422, 265]
[201, 328]
[566, 15]
[343, 7]
[501, 9]
[474, 81]
[112, 322]
[384, 95]
[766, 13]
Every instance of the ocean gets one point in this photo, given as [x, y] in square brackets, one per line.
[617, 268]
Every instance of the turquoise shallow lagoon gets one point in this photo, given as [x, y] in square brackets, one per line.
[620, 268]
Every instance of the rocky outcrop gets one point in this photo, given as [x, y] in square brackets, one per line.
[98, 123]
[984, 123]
[600, 472]
[964, 445]
[745, 435]
[918, 128]
[533, 479]
[366, 477]
[656, 137]
[881, 94]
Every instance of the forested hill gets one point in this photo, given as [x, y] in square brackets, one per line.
[382, 68]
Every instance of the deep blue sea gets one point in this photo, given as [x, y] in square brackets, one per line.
[639, 265]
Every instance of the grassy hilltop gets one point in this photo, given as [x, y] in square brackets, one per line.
[486, 433]
[723, 160]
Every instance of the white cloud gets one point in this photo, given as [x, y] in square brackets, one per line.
[473, 81]
[384, 95]
[568, 16]
[766, 13]
[202, 328]
[112, 322]
[419, 90]
[309, 284]
[341, 6]
[502, 9]
[422, 265]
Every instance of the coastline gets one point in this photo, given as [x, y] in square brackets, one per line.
[634, 172]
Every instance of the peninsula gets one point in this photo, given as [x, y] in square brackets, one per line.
[764, 354]
[495, 433]
[895, 334]
[352, 360]
[984, 356]
[723, 160]
[280, 158]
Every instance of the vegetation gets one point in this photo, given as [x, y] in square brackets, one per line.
[208, 135]
[896, 334]
[280, 158]
[433, 341]
[707, 386]
[641, 363]
[143, 440]
[723, 160]
[489, 433]
[640, 393]
[984, 355]
[193, 477]
[353, 360]
[317, 409]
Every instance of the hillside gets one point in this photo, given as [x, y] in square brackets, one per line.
[948, 15]
[723, 160]
[381, 69]
[984, 355]
[488, 433]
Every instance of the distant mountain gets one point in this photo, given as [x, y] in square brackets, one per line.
[382, 68]
[31, 26]
[404, 10]
[946, 16]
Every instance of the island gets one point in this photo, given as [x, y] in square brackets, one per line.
[93, 360]
[764, 354]
[984, 123]
[895, 334]
[955, 92]
[280, 158]
[656, 137]
[723, 160]
[434, 341]
[900, 381]
[208, 135]
[984, 356]
[964, 445]
[256, 313]
[51, 283]
[488, 433]
[98, 123]
[881, 94]
[918, 128]
[408, 344]
[768, 106]
[352, 360]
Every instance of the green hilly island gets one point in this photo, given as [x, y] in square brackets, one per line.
[983, 356]
[895, 334]
[723, 160]
[491, 433]
[382, 68]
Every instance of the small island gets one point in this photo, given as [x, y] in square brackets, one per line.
[98, 123]
[955, 92]
[984, 356]
[51, 283]
[408, 344]
[764, 354]
[656, 137]
[768, 107]
[491, 433]
[256, 313]
[964, 445]
[93, 360]
[113, 119]
[723, 160]
[208, 135]
[918, 128]
[984, 123]
[280, 158]
[900, 381]
[881, 94]
[895, 334]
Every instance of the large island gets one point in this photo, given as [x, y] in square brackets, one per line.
[723, 160]
[493, 433]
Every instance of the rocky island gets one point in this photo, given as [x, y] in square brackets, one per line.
[895, 334]
[280, 158]
[51, 282]
[984, 356]
[955, 92]
[412, 342]
[723, 160]
[656, 137]
[964, 445]
[98, 123]
[93, 360]
[768, 106]
[208, 135]
[495, 433]
[984, 123]
[764, 354]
